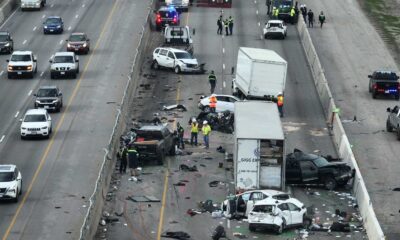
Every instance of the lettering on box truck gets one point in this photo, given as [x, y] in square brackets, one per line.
[247, 164]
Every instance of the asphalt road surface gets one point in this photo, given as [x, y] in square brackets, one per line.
[304, 124]
[349, 49]
[59, 174]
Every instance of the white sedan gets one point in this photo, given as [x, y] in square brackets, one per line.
[242, 204]
[36, 123]
[275, 28]
[224, 103]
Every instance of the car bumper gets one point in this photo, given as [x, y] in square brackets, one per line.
[40, 133]
[30, 6]
[275, 34]
[267, 226]
[20, 73]
[8, 195]
[50, 106]
[53, 30]
[185, 68]
[63, 73]
[77, 49]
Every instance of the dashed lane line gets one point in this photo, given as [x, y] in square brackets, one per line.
[2, 138]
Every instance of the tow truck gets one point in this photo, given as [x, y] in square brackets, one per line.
[178, 37]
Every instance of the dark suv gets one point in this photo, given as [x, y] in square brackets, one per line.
[49, 97]
[6, 42]
[53, 24]
[166, 15]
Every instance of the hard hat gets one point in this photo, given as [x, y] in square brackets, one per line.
[274, 8]
[205, 122]
[213, 95]
[194, 120]
[279, 93]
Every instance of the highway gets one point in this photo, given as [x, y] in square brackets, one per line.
[304, 125]
[59, 174]
[349, 54]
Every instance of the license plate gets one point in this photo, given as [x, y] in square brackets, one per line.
[386, 91]
[62, 73]
[51, 30]
[33, 133]
[76, 49]
[46, 107]
[19, 73]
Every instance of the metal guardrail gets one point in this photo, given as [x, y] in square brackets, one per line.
[90, 221]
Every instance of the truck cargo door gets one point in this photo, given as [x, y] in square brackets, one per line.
[247, 170]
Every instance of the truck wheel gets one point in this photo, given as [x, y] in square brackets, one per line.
[369, 88]
[10, 76]
[252, 228]
[397, 96]
[330, 183]
[389, 127]
[52, 75]
[177, 69]
[16, 196]
[398, 133]
[373, 95]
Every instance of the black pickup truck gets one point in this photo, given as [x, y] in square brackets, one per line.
[154, 142]
[384, 83]
[304, 168]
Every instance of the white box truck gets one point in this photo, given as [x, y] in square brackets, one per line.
[259, 154]
[260, 74]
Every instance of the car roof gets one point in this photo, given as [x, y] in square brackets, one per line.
[36, 111]
[64, 54]
[21, 52]
[55, 17]
[7, 167]
[78, 33]
[269, 192]
[173, 49]
[222, 95]
[48, 87]
[152, 127]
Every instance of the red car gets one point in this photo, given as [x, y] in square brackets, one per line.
[79, 43]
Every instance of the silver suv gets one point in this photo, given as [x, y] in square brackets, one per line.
[64, 64]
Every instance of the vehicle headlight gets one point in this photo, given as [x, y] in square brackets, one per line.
[10, 68]
[45, 27]
[23, 128]
[7, 45]
[37, 4]
[68, 45]
[84, 45]
[12, 190]
[58, 26]
[44, 127]
[29, 67]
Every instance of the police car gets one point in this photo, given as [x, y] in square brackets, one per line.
[275, 28]
[10, 182]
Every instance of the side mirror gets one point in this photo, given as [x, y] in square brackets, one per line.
[35, 95]
[8, 60]
[50, 61]
[77, 59]
[388, 109]
[20, 119]
[369, 76]
[49, 119]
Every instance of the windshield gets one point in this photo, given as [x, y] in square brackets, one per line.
[320, 162]
[77, 38]
[21, 58]
[282, 4]
[148, 135]
[183, 55]
[385, 75]
[47, 93]
[63, 59]
[53, 21]
[3, 38]
[263, 208]
[274, 25]
[6, 176]
[35, 118]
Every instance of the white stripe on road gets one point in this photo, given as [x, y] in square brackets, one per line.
[83, 5]
[257, 12]
[24, 42]
[41, 74]
[224, 84]
[43, 16]
[16, 115]
[52, 5]
[2, 138]
[69, 28]
[34, 29]
[223, 50]
[259, 24]
[30, 92]
[223, 66]
[61, 42]
[76, 16]
[1, 73]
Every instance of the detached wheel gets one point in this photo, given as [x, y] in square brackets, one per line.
[177, 69]
[389, 127]
[330, 183]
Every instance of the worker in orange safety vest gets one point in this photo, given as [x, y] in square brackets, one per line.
[280, 103]
[213, 103]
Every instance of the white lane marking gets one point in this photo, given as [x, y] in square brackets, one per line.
[223, 50]
[16, 115]
[34, 28]
[229, 224]
[259, 24]
[43, 16]
[69, 28]
[12, 14]
[257, 12]
[1, 73]
[30, 92]
[261, 37]
[223, 66]
[76, 16]
[255, 2]
[24, 42]
[52, 5]
[83, 5]
[41, 74]
[61, 42]
[224, 84]
[2, 138]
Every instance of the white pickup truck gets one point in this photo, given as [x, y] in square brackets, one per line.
[32, 4]
[64, 64]
[21, 63]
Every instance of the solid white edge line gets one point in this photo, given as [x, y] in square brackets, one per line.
[34, 28]
[1, 73]
[16, 115]
[224, 84]
[24, 41]
[30, 92]
[2, 138]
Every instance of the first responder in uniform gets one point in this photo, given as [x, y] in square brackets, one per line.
[133, 160]
[292, 15]
[206, 130]
[194, 130]
[230, 25]
[212, 79]
[213, 103]
[181, 133]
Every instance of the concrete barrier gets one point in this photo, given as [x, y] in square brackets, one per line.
[6, 9]
[343, 146]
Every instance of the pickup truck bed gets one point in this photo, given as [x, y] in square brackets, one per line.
[384, 83]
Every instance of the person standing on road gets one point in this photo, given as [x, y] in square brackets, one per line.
[212, 79]
[310, 15]
[219, 24]
[213, 103]
[275, 13]
[268, 3]
[226, 25]
[123, 157]
[133, 160]
[230, 23]
[194, 130]
[321, 18]
[292, 15]
[206, 130]
[181, 133]
[303, 9]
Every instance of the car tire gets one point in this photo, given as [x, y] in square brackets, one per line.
[155, 65]
[52, 75]
[374, 95]
[50, 131]
[389, 127]
[74, 75]
[22, 137]
[9, 76]
[31, 75]
[20, 191]
[265, 36]
[252, 228]
[177, 70]
[330, 183]
[398, 133]
[397, 96]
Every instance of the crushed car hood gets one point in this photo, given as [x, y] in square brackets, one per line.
[189, 61]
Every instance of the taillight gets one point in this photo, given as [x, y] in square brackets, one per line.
[158, 18]
[174, 19]
[375, 86]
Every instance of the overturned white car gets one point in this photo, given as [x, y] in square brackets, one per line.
[241, 204]
[275, 28]
[278, 214]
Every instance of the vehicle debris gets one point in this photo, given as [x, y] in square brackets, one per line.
[221, 149]
[143, 199]
[219, 232]
[176, 235]
[186, 168]
[175, 106]
[215, 183]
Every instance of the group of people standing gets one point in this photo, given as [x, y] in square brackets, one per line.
[309, 16]
[227, 24]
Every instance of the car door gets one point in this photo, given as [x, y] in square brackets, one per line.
[161, 57]
[286, 213]
[309, 172]
[170, 62]
[296, 214]
[221, 104]
[293, 173]
[254, 197]
[230, 105]
[241, 203]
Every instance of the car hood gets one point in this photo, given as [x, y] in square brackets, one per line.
[46, 98]
[19, 63]
[51, 25]
[33, 124]
[7, 184]
[189, 61]
[54, 65]
[77, 42]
